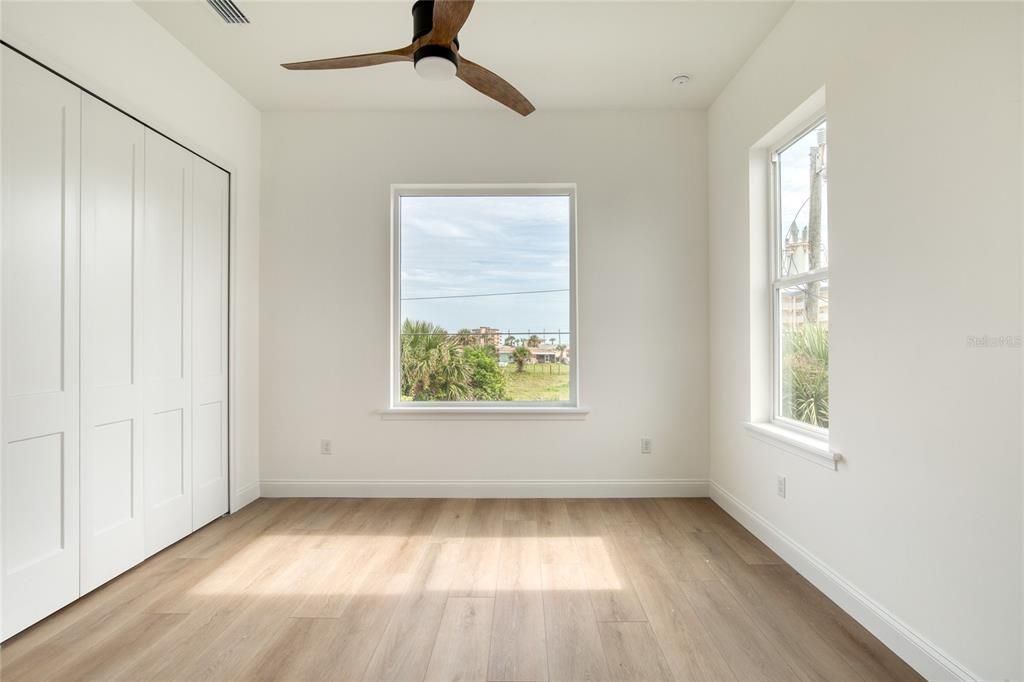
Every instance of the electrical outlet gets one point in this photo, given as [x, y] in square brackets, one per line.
[646, 446]
[325, 447]
[780, 486]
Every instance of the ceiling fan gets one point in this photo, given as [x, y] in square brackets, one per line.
[434, 52]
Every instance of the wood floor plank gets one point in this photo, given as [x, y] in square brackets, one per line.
[633, 652]
[681, 551]
[189, 639]
[406, 589]
[741, 540]
[685, 513]
[340, 648]
[453, 519]
[279, 655]
[366, 617]
[809, 655]
[117, 652]
[477, 574]
[748, 651]
[619, 519]
[405, 647]
[522, 509]
[608, 585]
[518, 649]
[574, 643]
[860, 649]
[254, 618]
[371, 548]
[463, 640]
[688, 648]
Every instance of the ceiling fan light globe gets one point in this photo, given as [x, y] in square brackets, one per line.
[436, 68]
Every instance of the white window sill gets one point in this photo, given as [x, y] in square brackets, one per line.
[802, 445]
[485, 413]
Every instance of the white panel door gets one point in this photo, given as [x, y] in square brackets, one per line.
[166, 342]
[209, 342]
[40, 178]
[112, 421]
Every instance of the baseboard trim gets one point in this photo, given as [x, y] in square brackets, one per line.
[677, 487]
[921, 654]
[246, 495]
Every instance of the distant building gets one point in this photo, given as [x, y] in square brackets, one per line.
[795, 260]
[487, 336]
[543, 354]
[793, 308]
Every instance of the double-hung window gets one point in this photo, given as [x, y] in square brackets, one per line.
[483, 309]
[800, 281]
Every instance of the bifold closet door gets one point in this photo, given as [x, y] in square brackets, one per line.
[166, 266]
[40, 177]
[209, 348]
[111, 403]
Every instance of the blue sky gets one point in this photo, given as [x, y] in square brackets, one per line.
[454, 246]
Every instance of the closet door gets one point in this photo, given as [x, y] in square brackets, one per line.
[210, 348]
[40, 177]
[166, 342]
[111, 481]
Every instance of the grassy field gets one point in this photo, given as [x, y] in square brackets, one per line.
[538, 382]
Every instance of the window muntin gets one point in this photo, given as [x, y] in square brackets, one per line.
[484, 296]
[800, 281]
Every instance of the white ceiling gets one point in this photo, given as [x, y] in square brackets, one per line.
[561, 55]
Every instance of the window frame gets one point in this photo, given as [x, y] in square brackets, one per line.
[512, 407]
[777, 283]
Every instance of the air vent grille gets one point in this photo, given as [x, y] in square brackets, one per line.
[228, 11]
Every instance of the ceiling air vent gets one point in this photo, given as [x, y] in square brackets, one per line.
[228, 11]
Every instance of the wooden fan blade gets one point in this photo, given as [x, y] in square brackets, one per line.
[494, 86]
[449, 16]
[354, 61]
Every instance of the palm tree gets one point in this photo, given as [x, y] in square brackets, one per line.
[533, 341]
[464, 337]
[510, 340]
[521, 355]
[432, 364]
[422, 335]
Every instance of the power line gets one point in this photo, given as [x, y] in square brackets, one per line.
[500, 293]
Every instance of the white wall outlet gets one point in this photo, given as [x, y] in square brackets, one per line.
[780, 486]
[325, 447]
[646, 446]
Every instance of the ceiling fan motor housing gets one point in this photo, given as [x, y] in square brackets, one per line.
[422, 24]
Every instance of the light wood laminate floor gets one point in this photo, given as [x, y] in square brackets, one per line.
[399, 589]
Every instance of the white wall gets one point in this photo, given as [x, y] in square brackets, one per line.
[117, 51]
[923, 517]
[642, 298]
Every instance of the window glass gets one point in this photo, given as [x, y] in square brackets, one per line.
[803, 361]
[484, 298]
[803, 205]
[801, 284]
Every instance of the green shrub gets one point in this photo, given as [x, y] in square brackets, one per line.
[805, 374]
[436, 366]
[487, 381]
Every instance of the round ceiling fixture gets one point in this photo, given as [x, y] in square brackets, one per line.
[436, 68]
[436, 62]
[681, 79]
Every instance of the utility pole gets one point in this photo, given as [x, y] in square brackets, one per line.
[817, 169]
